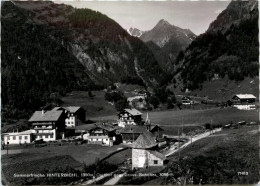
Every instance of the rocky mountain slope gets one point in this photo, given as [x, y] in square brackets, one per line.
[48, 47]
[170, 40]
[228, 50]
[135, 32]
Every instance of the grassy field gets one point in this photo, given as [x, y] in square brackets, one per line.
[171, 120]
[120, 157]
[218, 158]
[87, 153]
[23, 164]
[225, 89]
[94, 106]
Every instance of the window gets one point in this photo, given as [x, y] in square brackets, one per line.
[51, 136]
[25, 137]
[155, 162]
[14, 137]
[20, 137]
[8, 137]
[46, 136]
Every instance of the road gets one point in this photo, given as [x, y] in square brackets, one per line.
[114, 180]
[172, 150]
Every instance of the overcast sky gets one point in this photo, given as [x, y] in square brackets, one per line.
[144, 15]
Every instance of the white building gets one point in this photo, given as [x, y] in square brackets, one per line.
[18, 137]
[244, 101]
[48, 125]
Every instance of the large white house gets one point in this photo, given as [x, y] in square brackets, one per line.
[48, 125]
[74, 115]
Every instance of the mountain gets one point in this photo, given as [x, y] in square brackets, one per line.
[48, 47]
[135, 32]
[170, 39]
[228, 51]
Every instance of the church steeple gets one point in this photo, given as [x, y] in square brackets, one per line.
[148, 122]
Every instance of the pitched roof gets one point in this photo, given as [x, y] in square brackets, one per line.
[245, 96]
[56, 108]
[157, 154]
[46, 116]
[138, 129]
[133, 112]
[72, 109]
[144, 141]
[153, 128]
[26, 132]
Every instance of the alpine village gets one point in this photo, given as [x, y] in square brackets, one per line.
[85, 101]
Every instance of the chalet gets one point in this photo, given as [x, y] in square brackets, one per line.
[186, 101]
[144, 152]
[129, 117]
[103, 134]
[18, 137]
[74, 115]
[84, 130]
[244, 101]
[131, 132]
[48, 125]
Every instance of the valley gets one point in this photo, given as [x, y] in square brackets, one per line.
[86, 98]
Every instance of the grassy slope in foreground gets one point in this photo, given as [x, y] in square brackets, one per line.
[217, 159]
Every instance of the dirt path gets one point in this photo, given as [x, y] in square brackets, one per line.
[172, 150]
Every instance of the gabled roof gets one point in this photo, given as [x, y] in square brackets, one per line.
[155, 128]
[144, 141]
[245, 96]
[26, 132]
[46, 116]
[133, 112]
[157, 154]
[138, 129]
[57, 108]
[72, 109]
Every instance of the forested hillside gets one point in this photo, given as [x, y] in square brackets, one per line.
[49, 47]
[226, 50]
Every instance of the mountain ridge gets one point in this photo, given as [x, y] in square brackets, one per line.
[60, 49]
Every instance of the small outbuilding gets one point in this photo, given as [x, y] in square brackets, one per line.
[144, 152]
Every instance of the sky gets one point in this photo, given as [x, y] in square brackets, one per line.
[144, 15]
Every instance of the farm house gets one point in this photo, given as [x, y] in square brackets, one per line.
[244, 101]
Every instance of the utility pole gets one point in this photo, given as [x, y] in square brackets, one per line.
[211, 126]
[179, 144]
[182, 124]
[7, 148]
